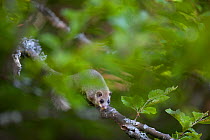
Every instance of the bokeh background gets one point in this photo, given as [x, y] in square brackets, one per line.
[138, 46]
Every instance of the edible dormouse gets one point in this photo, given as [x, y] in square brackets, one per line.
[94, 86]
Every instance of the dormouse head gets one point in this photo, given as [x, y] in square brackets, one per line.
[102, 98]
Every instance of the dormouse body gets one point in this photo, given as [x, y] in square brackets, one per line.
[94, 86]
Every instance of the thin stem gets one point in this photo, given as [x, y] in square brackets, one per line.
[137, 115]
[145, 105]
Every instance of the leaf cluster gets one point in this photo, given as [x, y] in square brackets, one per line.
[187, 122]
[142, 106]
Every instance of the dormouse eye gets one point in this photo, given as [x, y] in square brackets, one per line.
[108, 101]
[110, 93]
[99, 94]
[101, 101]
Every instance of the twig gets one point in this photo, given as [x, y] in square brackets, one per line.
[83, 39]
[56, 21]
[17, 66]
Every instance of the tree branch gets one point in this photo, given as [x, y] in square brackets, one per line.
[132, 127]
[31, 48]
[56, 21]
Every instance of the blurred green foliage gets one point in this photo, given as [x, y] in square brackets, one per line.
[147, 44]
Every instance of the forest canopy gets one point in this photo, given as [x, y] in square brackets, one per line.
[153, 55]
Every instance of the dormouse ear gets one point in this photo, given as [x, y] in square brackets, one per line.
[91, 97]
[98, 94]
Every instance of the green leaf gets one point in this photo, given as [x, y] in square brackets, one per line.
[133, 102]
[176, 135]
[191, 130]
[138, 101]
[197, 115]
[185, 121]
[158, 96]
[186, 138]
[170, 89]
[158, 100]
[149, 110]
[201, 117]
[191, 135]
[205, 120]
[127, 101]
[155, 93]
